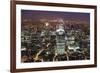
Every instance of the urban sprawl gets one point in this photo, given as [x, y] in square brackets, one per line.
[47, 40]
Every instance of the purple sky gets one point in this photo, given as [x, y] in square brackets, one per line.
[36, 15]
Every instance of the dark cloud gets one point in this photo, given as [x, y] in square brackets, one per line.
[36, 15]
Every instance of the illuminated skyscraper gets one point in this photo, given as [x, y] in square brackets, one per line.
[60, 40]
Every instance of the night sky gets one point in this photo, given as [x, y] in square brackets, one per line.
[37, 15]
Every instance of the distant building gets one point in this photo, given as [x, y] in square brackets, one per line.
[60, 40]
